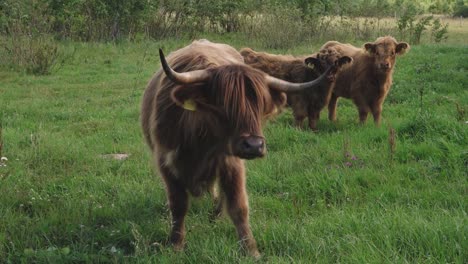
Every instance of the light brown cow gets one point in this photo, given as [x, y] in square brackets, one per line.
[368, 81]
[307, 103]
[201, 116]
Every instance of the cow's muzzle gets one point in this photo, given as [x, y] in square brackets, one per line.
[250, 147]
[385, 66]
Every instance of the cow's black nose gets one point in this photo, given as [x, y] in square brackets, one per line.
[253, 143]
[385, 65]
[252, 147]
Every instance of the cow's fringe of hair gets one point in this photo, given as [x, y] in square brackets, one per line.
[244, 95]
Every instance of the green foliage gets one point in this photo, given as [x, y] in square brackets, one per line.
[108, 20]
[406, 21]
[420, 27]
[439, 31]
[439, 7]
[279, 28]
[460, 9]
[30, 46]
[410, 25]
[36, 55]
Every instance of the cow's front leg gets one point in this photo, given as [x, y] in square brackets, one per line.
[232, 182]
[314, 116]
[218, 200]
[178, 205]
[376, 112]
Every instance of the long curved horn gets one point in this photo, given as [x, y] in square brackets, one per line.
[288, 87]
[197, 76]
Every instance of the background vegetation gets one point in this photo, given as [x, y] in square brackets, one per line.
[91, 20]
[72, 74]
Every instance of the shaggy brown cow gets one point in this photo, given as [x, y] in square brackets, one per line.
[368, 81]
[307, 103]
[201, 119]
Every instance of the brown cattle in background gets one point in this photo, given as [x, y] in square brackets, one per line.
[201, 116]
[301, 69]
[368, 81]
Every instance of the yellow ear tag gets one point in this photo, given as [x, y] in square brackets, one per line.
[190, 105]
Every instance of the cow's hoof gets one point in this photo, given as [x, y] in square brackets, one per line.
[255, 254]
[178, 247]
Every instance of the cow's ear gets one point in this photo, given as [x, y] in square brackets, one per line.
[370, 47]
[343, 60]
[312, 62]
[402, 48]
[187, 97]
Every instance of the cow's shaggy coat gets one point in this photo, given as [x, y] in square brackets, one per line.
[200, 119]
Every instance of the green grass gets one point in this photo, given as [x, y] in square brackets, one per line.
[327, 197]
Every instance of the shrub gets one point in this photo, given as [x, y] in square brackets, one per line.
[406, 20]
[460, 9]
[34, 54]
[420, 27]
[439, 31]
[278, 28]
[29, 45]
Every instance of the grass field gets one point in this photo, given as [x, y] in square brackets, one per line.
[337, 196]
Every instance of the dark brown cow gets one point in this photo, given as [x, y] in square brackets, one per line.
[368, 81]
[307, 103]
[201, 118]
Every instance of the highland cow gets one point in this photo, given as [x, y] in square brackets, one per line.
[202, 114]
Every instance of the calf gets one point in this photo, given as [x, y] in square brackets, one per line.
[307, 103]
[368, 81]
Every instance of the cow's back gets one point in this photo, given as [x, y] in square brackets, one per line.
[285, 67]
[345, 49]
[348, 78]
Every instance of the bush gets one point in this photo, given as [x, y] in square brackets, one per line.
[406, 21]
[279, 28]
[461, 11]
[29, 44]
[419, 28]
[33, 54]
[439, 31]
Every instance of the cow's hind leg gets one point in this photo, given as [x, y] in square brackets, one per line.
[332, 107]
[178, 204]
[363, 109]
[363, 112]
[233, 185]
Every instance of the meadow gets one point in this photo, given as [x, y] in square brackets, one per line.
[342, 195]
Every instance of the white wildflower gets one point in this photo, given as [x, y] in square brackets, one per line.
[2, 161]
[117, 156]
[113, 250]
